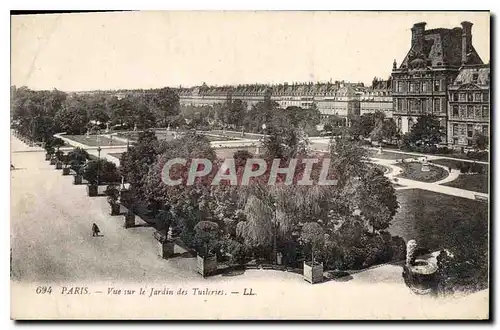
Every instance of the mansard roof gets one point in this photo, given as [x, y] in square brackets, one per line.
[439, 47]
[477, 75]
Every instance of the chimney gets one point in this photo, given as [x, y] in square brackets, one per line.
[417, 31]
[466, 40]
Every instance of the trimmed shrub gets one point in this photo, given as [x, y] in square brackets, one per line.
[464, 167]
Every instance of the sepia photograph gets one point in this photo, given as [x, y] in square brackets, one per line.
[250, 165]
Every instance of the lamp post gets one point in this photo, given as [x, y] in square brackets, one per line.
[275, 234]
[98, 163]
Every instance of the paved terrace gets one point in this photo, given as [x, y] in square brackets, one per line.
[51, 242]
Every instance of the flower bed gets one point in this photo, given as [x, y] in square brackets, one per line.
[413, 171]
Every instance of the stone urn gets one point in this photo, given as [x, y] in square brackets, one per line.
[419, 275]
[59, 165]
[65, 171]
[52, 161]
[48, 156]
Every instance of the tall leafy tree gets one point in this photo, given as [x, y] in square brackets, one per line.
[481, 141]
[72, 118]
[427, 130]
[165, 102]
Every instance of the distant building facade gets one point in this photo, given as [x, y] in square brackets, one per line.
[377, 98]
[342, 99]
[420, 84]
[469, 105]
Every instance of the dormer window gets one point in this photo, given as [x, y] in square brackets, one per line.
[475, 77]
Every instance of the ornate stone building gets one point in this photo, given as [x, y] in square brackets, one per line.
[340, 98]
[420, 84]
[469, 105]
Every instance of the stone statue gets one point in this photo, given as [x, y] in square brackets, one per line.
[411, 248]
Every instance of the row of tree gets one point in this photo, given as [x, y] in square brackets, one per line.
[40, 114]
[236, 115]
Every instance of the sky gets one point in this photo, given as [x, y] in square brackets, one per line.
[152, 49]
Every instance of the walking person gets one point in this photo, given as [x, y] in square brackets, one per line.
[95, 230]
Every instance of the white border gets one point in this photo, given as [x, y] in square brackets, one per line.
[189, 5]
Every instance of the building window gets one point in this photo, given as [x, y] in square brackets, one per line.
[455, 111]
[485, 111]
[400, 86]
[400, 122]
[416, 105]
[469, 142]
[462, 97]
[410, 123]
[455, 97]
[470, 111]
[437, 85]
[486, 97]
[469, 97]
[437, 105]
[485, 130]
[424, 86]
[455, 141]
[477, 111]
[399, 105]
[470, 131]
[475, 76]
[412, 87]
[463, 111]
[455, 130]
[462, 129]
[477, 97]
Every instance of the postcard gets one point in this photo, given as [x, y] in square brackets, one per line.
[250, 165]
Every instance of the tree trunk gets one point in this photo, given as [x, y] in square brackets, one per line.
[275, 245]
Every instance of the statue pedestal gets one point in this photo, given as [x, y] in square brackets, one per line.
[420, 277]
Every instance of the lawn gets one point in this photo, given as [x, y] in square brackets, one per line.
[164, 135]
[236, 134]
[413, 171]
[456, 163]
[474, 182]
[219, 138]
[93, 141]
[389, 155]
[438, 221]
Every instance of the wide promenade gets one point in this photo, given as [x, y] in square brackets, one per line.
[51, 243]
